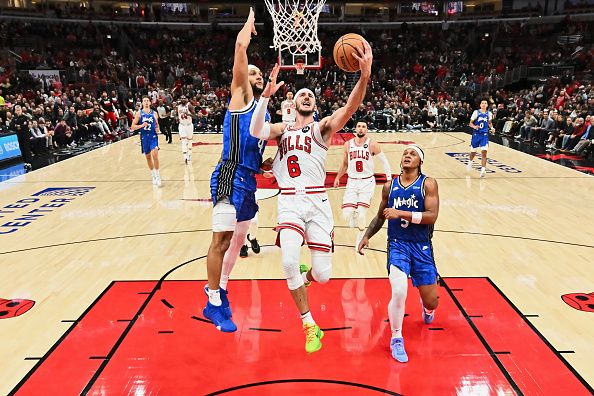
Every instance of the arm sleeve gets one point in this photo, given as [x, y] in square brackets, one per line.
[259, 128]
[386, 164]
[474, 115]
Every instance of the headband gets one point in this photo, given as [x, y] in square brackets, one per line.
[253, 67]
[418, 150]
[302, 90]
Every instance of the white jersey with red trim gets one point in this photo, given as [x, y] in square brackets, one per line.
[300, 161]
[360, 160]
[184, 115]
[288, 110]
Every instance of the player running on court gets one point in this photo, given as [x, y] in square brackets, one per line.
[359, 166]
[410, 203]
[149, 142]
[186, 127]
[481, 122]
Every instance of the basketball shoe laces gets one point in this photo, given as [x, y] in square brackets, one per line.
[399, 345]
[310, 333]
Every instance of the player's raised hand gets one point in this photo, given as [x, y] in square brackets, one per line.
[272, 85]
[251, 22]
[364, 244]
[365, 58]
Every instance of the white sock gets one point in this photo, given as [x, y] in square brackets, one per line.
[307, 318]
[230, 257]
[353, 220]
[214, 297]
[399, 285]
[224, 281]
[428, 311]
[304, 276]
[483, 168]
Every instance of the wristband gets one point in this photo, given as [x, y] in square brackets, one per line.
[417, 217]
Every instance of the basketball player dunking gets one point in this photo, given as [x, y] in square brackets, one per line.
[358, 164]
[233, 182]
[481, 123]
[304, 213]
[186, 128]
[149, 142]
[410, 203]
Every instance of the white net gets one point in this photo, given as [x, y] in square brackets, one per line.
[296, 25]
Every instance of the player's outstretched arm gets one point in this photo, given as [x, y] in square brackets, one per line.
[429, 216]
[344, 166]
[376, 150]
[378, 221]
[335, 122]
[259, 128]
[241, 92]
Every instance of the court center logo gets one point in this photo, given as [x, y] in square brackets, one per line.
[17, 215]
[492, 165]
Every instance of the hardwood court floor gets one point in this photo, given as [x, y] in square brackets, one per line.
[69, 230]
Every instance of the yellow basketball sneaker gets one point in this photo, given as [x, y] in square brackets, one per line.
[313, 337]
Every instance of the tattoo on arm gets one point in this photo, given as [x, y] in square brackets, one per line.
[379, 219]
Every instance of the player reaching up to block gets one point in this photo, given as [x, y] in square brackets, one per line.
[304, 213]
[233, 182]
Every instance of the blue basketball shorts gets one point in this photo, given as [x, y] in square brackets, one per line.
[238, 186]
[148, 142]
[479, 141]
[415, 259]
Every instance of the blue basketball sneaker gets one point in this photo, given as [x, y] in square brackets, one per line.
[218, 317]
[224, 299]
[427, 317]
[397, 348]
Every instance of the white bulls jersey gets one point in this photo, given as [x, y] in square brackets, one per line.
[288, 110]
[300, 161]
[184, 114]
[360, 160]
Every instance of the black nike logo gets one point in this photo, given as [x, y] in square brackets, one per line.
[324, 200]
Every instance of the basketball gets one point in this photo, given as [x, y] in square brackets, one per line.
[343, 52]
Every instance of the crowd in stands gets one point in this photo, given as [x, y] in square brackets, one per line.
[425, 77]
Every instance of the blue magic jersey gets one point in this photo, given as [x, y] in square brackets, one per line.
[239, 147]
[149, 118]
[411, 199]
[482, 121]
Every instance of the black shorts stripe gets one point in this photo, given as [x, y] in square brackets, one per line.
[229, 167]
[225, 179]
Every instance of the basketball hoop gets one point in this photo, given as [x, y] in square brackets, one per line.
[296, 28]
[300, 67]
